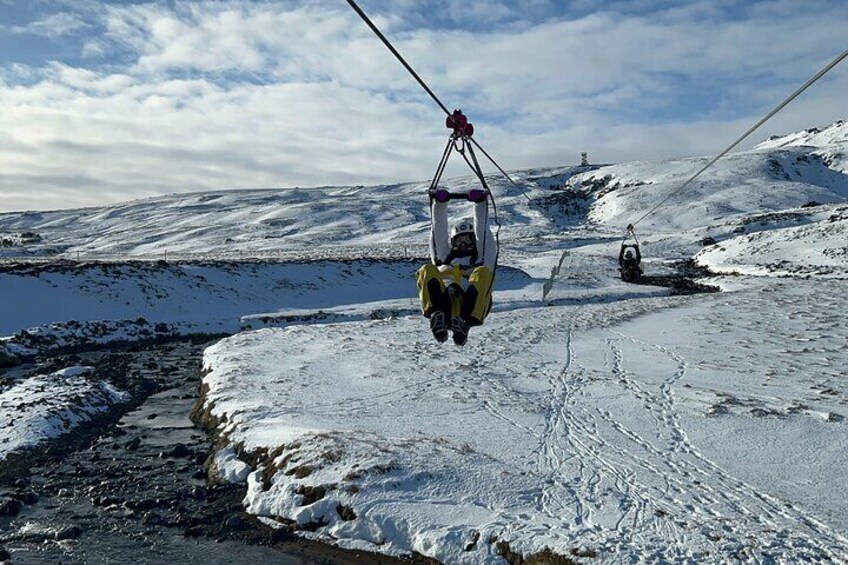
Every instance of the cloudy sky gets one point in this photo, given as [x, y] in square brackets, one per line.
[103, 102]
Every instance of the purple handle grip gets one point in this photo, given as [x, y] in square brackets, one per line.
[475, 195]
[440, 195]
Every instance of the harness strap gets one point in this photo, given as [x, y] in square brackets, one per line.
[460, 140]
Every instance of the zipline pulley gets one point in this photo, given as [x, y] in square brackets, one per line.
[630, 233]
[459, 141]
[459, 124]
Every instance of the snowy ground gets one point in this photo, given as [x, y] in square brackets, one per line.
[48, 406]
[692, 433]
[607, 422]
[815, 249]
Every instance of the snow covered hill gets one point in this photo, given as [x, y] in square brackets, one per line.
[375, 222]
[811, 242]
[565, 428]
[830, 144]
[597, 420]
[738, 185]
[779, 186]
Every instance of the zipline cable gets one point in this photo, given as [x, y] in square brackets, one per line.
[783, 104]
[400, 58]
[423, 84]
[489, 157]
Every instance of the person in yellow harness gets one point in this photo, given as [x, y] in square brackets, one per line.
[465, 255]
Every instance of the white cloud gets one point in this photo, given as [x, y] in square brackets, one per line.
[94, 49]
[53, 26]
[245, 94]
[90, 131]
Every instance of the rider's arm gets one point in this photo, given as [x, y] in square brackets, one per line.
[439, 234]
[489, 255]
[487, 248]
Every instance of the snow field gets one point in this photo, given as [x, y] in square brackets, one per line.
[561, 427]
[47, 406]
[194, 298]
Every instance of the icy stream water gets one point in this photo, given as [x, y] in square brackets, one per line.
[134, 490]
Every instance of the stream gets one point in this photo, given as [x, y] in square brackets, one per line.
[130, 487]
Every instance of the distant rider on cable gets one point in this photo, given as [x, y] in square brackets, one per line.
[630, 258]
[467, 253]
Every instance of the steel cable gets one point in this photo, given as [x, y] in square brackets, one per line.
[423, 84]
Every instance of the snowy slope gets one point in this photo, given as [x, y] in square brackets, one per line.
[66, 306]
[48, 406]
[817, 249]
[738, 185]
[830, 144]
[387, 221]
[742, 193]
[209, 297]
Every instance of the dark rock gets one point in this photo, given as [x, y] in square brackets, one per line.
[199, 493]
[708, 241]
[10, 506]
[179, 450]
[133, 444]
[281, 535]
[346, 513]
[311, 494]
[7, 359]
[193, 532]
[153, 519]
[27, 497]
[4, 555]
[143, 504]
[235, 523]
[71, 532]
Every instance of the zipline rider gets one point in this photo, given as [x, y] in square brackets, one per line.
[468, 253]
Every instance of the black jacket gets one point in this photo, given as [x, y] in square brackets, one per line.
[637, 260]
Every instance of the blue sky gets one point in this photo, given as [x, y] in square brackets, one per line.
[108, 101]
